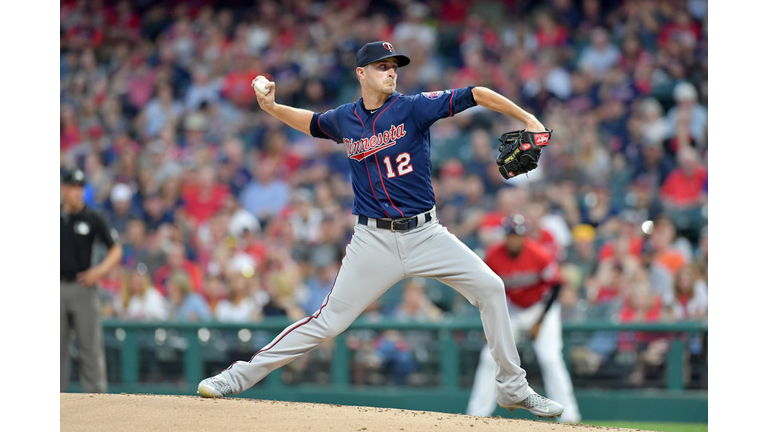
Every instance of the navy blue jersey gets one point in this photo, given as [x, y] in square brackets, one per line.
[388, 151]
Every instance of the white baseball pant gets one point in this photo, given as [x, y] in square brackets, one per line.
[375, 260]
[549, 353]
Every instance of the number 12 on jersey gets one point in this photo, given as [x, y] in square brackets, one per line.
[404, 166]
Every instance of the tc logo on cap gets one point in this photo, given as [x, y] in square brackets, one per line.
[379, 50]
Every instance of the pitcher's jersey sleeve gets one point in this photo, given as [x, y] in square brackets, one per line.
[326, 125]
[428, 107]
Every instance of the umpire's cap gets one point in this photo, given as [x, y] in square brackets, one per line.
[74, 177]
[515, 224]
[379, 50]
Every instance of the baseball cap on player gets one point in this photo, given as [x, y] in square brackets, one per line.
[74, 177]
[515, 225]
[379, 50]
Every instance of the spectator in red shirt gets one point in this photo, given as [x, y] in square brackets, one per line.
[640, 305]
[684, 187]
[237, 83]
[549, 34]
[204, 198]
[604, 289]
[124, 22]
[682, 29]
[88, 33]
[627, 242]
[477, 35]
[683, 193]
[176, 259]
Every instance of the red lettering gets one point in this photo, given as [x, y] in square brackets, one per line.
[359, 150]
[400, 131]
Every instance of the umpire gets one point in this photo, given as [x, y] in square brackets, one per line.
[80, 297]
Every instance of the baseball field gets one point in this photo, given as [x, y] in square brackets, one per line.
[131, 412]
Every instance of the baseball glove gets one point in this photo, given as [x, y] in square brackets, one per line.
[520, 151]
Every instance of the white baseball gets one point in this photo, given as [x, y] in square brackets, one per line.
[260, 84]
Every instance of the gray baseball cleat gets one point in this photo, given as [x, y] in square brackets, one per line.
[538, 405]
[214, 387]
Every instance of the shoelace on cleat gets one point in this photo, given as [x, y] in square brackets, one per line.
[535, 401]
[220, 384]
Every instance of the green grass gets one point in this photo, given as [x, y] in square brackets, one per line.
[661, 427]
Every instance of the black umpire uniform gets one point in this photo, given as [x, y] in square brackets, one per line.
[80, 298]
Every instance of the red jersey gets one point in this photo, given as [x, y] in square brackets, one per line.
[528, 276]
[683, 190]
[203, 206]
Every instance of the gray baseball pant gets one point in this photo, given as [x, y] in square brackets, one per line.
[81, 312]
[375, 260]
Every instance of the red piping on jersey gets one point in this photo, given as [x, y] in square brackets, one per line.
[382, 112]
[303, 322]
[450, 103]
[385, 187]
[377, 159]
[366, 165]
[321, 127]
[371, 183]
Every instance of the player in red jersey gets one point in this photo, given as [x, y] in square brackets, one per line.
[532, 282]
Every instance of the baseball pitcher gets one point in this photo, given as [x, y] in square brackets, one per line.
[397, 233]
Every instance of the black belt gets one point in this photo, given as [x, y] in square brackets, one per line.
[68, 278]
[404, 224]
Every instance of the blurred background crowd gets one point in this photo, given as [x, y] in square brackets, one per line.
[227, 214]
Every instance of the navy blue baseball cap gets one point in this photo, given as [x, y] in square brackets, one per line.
[379, 50]
[74, 177]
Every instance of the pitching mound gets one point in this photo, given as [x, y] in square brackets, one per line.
[123, 412]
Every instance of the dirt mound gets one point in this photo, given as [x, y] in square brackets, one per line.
[129, 412]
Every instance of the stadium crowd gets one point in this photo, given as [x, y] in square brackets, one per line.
[227, 214]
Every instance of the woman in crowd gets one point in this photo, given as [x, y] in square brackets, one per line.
[140, 301]
[185, 304]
